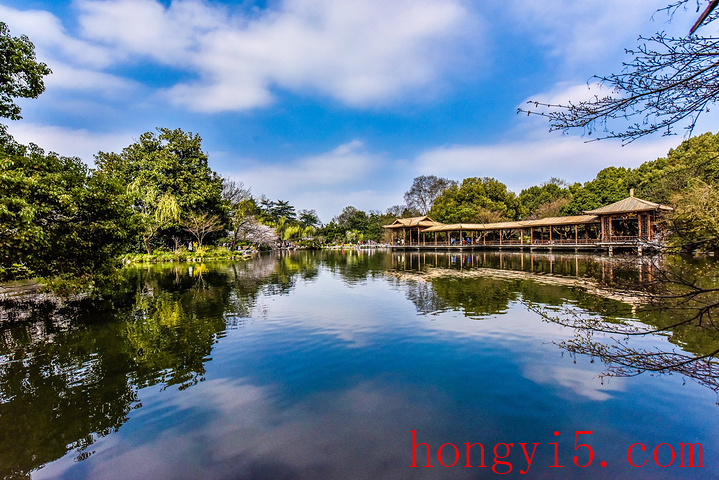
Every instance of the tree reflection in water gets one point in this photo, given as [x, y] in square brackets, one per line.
[671, 296]
[71, 373]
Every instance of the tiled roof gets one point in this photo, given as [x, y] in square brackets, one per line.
[424, 221]
[628, 205]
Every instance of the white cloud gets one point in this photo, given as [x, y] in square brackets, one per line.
[146, 27]
[346, 175]
[529, 161]
[581, 382]
[68, 142]
[353, 175]
[51, 40]
[591, 31]
[361, 53]
[67, 77]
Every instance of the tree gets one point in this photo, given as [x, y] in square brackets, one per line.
[283, 209]
[199, 224]
[680, 301]
[331, 232]
[610, 185]
[165, 174]
[694, 222]
[668, 81]
[260, 234]
[424, 190]
[695, 158]
[21, 75]
[57, 217]
[271, 212]
[241, 207]
[477, 200]
[401, 211]
[309, 218]
[352, 219]
[547, 199]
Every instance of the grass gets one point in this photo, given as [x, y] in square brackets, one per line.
[183, 255]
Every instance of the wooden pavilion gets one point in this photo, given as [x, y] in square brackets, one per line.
[631, 222]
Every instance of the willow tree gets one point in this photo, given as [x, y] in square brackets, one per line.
[155, 211]
[166, 173]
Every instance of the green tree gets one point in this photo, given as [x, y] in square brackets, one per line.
[545, 200]
[610, 185]
[166, 173]
[477, 200]
[695, 158]
[695, 220]
[58, 218]
[309, 218]
[21, 75]
[331, 232]
[352, 218]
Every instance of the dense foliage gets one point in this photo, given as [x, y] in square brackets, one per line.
[477, 200]
[168, 178]
[57, 217]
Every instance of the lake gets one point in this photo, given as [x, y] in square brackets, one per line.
[346, 365]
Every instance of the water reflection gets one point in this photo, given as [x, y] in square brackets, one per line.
[70, 371]
[265, 363]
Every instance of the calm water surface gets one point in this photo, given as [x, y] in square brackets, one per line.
[319, 366]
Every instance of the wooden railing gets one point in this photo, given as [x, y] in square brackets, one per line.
[513, 242]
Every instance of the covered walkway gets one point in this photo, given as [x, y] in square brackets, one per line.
[630, 222]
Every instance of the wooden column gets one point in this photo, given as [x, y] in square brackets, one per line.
[576, 234]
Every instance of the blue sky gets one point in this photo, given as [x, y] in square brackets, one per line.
[329, 103]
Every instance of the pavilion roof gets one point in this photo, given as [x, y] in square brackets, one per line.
[560, 221]
[423, 221]
[542, 222]
[628, 205]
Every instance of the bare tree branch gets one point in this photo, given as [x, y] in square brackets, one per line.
[669, 81]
